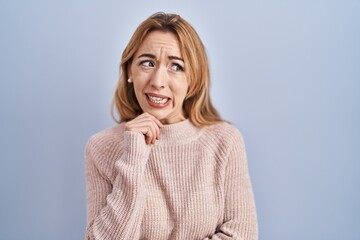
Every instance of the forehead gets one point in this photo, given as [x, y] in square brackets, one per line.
[158, 42]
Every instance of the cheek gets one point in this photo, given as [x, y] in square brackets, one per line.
[182, 91]
[139, 80]
[138, 88]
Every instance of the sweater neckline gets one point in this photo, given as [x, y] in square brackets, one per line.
[180, 132]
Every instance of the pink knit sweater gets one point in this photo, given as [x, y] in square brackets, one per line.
[191, 184]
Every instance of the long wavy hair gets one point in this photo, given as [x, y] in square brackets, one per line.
[197, 104]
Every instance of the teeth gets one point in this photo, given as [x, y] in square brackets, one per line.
[157, 99]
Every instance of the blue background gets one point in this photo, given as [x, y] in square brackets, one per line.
[286, 73]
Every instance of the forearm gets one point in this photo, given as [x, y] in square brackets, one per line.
[121, 215]
[236, 230]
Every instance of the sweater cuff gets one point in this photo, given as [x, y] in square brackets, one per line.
[135, 146]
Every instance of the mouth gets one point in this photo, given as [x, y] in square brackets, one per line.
[156, 100]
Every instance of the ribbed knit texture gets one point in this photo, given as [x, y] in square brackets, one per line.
[191, 184]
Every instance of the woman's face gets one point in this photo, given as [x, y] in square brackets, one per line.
[159, 78]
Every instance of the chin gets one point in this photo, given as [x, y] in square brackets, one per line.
[158, 114]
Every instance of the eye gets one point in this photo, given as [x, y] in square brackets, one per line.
[147, 63]
[176, 67]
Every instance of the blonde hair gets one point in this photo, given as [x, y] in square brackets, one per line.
[197, 105]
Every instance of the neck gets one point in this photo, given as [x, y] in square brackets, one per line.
[173, 120]
[179, 132]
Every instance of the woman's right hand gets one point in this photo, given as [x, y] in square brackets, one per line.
[145, 124]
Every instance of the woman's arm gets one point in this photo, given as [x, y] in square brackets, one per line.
[115, 210]
[240, 221]
[118, 215]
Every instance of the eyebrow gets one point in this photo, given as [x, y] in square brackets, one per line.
[149, 55]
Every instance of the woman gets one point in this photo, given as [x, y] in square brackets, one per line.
[171, 168]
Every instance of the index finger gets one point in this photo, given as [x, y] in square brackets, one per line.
[157, 121]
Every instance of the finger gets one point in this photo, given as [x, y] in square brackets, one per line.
[148, 134]
[151, 124]
[157, 123]
[152, 131]
[155, 131]
[152, 117]
[137, 124]
[146, 124]
[149, 120]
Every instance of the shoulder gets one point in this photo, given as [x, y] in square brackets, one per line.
[105, 142]
[224, 132]
[222, 137]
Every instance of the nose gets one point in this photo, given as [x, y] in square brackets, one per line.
[159, 78]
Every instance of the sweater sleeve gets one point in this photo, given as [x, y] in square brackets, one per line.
[115, 210]
[240, 220]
